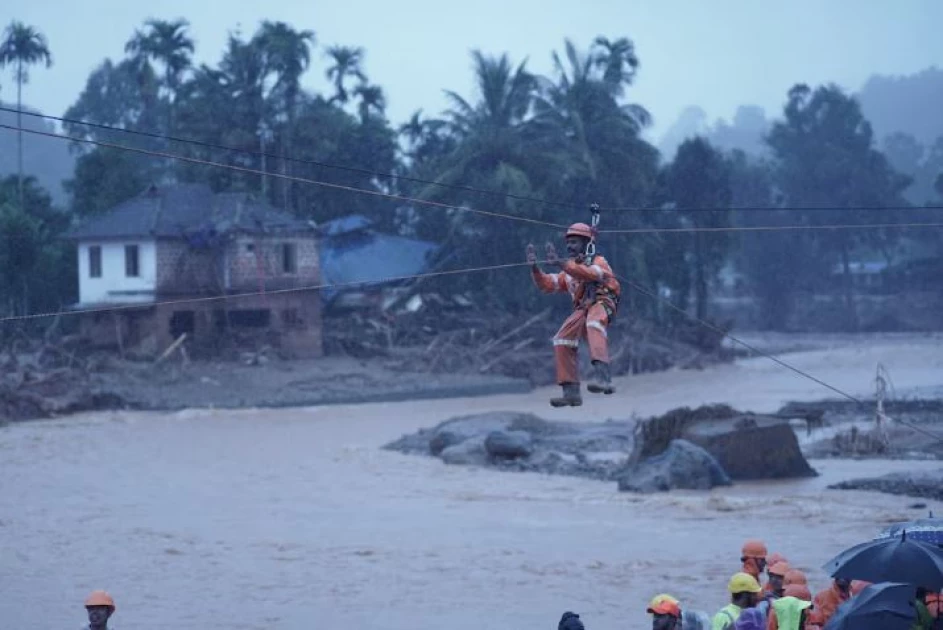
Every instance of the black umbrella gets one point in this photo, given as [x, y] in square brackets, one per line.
[928, 530]
[891, 560]
[886, 606]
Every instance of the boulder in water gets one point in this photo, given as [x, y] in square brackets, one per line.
[509, 444]
[682, 465]
[471, 452]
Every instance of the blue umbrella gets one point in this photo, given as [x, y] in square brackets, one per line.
[891, 560]
[885, 606]
[928, 530]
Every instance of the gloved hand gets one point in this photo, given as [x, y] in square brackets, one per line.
[552, 258]
[532, 254]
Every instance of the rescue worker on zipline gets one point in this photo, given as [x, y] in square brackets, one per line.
[595, 291]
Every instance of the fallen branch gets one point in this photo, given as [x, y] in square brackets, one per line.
[171, 348]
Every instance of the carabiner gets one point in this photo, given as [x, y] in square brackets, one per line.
[594, 226]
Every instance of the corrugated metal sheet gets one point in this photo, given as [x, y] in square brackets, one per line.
[370, 257]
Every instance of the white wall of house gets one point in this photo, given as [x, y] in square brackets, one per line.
[114, 285]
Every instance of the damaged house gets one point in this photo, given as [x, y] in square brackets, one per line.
[369, 267]
[179, 258]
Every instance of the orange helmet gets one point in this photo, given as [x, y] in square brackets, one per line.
[754, 549]
[580, 229]
[780, 568]
[799, 591]
[795, 576]
[775, 558]
[100, 598]
[664, 605]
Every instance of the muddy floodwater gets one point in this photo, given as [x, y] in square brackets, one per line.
[296, 519]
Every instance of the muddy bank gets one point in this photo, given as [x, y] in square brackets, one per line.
[226, 385]
[842, 429]
[921, 485]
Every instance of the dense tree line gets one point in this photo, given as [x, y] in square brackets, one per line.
[569, 139]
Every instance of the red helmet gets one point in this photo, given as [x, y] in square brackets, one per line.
[580, 229]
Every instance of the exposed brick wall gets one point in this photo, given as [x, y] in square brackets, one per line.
[265, 259]
[184, 270]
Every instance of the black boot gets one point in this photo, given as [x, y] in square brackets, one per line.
[602, 379]
[571, 396]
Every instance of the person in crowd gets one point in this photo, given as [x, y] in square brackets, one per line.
[570, 621]
[753, 556]
[100, 607]
[744, 591]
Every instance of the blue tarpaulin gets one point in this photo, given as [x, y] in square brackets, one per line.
[350, 252]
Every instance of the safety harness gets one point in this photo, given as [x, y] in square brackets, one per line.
[596, 290]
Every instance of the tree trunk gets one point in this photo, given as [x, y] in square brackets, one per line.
[850, 311]
[264, 177]
[700, 280]
[19, 130]
[287, 147]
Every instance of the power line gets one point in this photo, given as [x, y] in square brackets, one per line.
[751, 209]
[352, 169]
[547, 202]
[652, 294]
[235, 296]
[303, 180]
[773, 228]
[437, 204]
[453, 272]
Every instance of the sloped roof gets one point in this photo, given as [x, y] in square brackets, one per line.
[178, 209]
[345, 225]
[373, 258]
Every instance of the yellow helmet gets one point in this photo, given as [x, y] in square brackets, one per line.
[744, 583]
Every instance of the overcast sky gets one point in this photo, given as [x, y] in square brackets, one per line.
[717, 54]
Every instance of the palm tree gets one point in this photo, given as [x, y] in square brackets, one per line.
[496, 150]
[347, 63]
[580, 108]
[618, 61]
[372, 100]
[603, 157]
[23, 46]
[287, 53]
[242, 75]
[166, 42]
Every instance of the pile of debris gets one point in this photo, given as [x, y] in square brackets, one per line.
[433, 338]
[41, 379]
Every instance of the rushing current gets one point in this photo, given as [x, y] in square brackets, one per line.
[294, 518]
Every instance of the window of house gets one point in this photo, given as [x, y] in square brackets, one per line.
[290, 317]
[131, 261]
[95, 261]
[289, 258]
[257, 318]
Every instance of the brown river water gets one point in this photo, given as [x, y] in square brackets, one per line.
[295, 518]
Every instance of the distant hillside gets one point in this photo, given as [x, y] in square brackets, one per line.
[745, 132]
[48, 159]
[907, 104]
[906, 113]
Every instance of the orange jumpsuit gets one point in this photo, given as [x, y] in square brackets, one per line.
[595, 292]
[827, 602]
